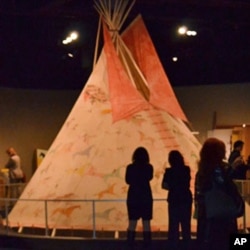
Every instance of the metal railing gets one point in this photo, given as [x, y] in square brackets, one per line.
[93, 202]
[243, 186]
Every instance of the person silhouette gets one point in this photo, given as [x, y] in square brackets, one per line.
[213, 233]
[139, 197]
[236, 162]
[176, 180]
[16, 173]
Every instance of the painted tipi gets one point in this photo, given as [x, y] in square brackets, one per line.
[127, 102]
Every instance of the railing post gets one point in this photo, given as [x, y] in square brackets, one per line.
[46, 217]
[244, 219]
[94, 226]
[6, 214]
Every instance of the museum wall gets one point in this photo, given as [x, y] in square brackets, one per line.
[31, 119]
[215, 106]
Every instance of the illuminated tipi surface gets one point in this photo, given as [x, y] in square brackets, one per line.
[127, 102]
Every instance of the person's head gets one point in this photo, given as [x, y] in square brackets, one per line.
[11, 151]
[212, 153]
[175, 159]
[140, 155]
[238, 145]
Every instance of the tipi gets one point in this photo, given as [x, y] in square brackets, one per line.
[127, 102]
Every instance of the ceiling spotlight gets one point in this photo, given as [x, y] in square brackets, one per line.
[175, 59]
[191, 33]
[74, 35]
[182, 30]
[67, 40]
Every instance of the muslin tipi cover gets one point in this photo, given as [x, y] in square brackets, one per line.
[83, 170]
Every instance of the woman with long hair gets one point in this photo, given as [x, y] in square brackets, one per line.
[139, 199]
[212, 233]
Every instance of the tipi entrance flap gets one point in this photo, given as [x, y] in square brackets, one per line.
[124, 98]
[138, 41]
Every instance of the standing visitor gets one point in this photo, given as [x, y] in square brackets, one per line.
[15, 172]
[139, 198]
[14, 166]
[213, 233]
[236, 161]
[235, 156]
[177, 181]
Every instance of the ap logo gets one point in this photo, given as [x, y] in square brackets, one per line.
[240, 241]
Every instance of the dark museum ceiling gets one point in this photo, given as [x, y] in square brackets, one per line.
[32, 54]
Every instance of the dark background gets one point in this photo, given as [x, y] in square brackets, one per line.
[32, 54]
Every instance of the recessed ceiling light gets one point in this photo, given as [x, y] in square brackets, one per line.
[182, 30]
[191, 33]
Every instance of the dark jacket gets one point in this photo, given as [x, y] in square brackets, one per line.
[238, 171]
[138, 178]
[178, 181]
